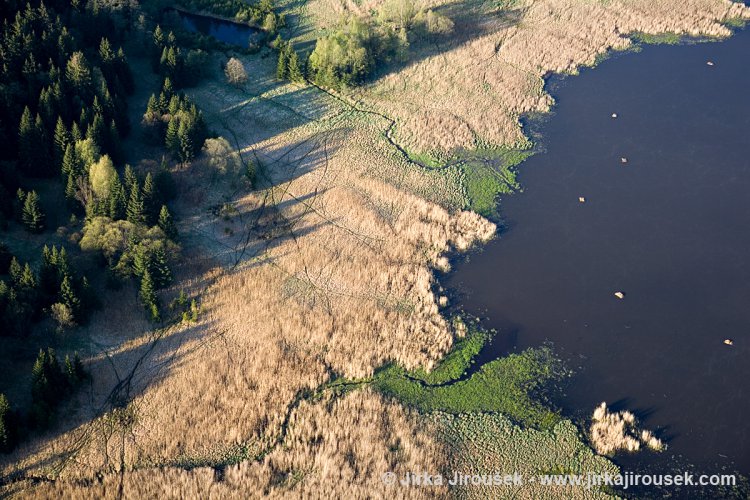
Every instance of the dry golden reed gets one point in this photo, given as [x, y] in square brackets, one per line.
[618, 431]
[470, 90]
[325, 269]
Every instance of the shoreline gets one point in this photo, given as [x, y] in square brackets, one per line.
[216, 17]
[552, 82]
[300, 193]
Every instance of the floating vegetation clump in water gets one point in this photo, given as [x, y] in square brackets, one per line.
[618, 431]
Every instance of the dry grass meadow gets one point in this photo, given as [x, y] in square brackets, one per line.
[325, 268]
[470, 89]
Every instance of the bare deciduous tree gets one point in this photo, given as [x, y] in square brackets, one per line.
[235, 72]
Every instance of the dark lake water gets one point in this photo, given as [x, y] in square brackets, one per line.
[670, 228]
[225, 31]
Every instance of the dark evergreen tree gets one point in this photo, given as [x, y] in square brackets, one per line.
[61, 142]
[15, 271]
[167, 88]
[124, 73]
[160, 271]
[75, 373]
[69, 297]
[151, 200]
[106, 54]
[45, 106]
[98, 133]
[166, 223]
[75, 133]
[153, 108]
[113, 141]
[43, 164]
[134, 210]
[48, 387]
[71, 164]
[49, 281]
[78, 76]
[130, 179]
[70, 193]
[282, 66]
[28, 142]
[171, 140]
[295, 72]
[117, 202]
[186, 149]
[32, 215]
[148, 296]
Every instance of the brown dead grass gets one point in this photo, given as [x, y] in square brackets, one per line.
[325, 269]
[331, 446]
[459, 95]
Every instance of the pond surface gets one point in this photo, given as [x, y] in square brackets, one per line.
[225, 31]
[670, 228]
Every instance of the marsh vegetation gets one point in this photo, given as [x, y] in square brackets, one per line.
[313, 241]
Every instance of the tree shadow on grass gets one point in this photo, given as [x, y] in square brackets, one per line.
[469, 24]
[118, 377]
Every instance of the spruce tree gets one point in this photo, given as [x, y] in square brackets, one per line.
[32, 215]
[163, 102]
[159, 269]
[74, 370]
[153, 105]
[61, 142]
[151, 200]
[166, 223]
[48, 386]
[78, 368]
[158, 37]
[43, 164]
[130, 179]
[96, 106]
[148, 293]
[134, 211]
[75, 133]
[171, 141]
[83, 118]
[71, 164]
[15, 271]
[124, 73]
[295, 72]
[61, 263]
[48, 275]
[113, 140]
[174, 105]
[106, 54]
[98, 133]
[282, 66]
[41, 391]
[27, 142]
[45, 107]
[28, 280]
[167, 88]
[116, 202]
[70, 372]
[69, 297]
[71, 189]
[78, 75]
[186, 146]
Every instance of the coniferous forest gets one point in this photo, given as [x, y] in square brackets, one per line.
[71, 207]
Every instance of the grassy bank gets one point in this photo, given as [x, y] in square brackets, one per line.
[511, 385]
[486, 181]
